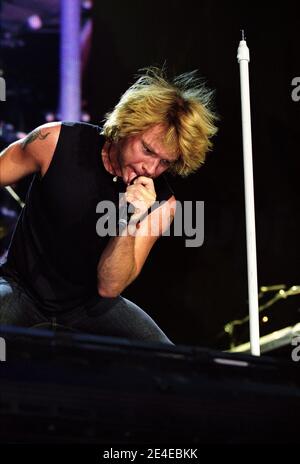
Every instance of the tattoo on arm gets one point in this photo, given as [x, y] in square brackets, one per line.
[32, 136]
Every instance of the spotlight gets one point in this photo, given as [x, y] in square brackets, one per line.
[34, 22]
[87, 4]
[20, 134]
[86, 117]
[49, 117]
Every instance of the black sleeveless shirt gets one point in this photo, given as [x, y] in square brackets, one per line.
[55, 248]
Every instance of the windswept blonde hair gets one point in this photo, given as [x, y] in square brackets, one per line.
[182, 106]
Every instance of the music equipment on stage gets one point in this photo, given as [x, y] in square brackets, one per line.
[279, 315]
[3, 231]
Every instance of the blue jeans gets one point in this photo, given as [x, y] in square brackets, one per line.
[117, 317]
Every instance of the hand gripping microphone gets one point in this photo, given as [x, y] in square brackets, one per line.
[126, 210]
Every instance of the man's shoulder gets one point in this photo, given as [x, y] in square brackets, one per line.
[81, 126]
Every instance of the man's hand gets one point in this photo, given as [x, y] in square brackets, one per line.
[141, 194]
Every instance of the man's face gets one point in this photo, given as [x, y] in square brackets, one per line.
[144, 154]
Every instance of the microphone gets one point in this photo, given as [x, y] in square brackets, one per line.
[126, 210]
[124, 213]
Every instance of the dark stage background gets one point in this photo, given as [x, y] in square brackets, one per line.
[193, 292]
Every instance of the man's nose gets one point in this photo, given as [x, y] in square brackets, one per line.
[150, 167]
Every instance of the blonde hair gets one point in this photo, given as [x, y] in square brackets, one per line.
[182, 106]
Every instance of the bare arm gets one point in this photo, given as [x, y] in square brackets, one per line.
[31, 154]
[123, 258]
[117, 267]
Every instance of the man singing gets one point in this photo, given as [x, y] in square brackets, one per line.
[59, 270]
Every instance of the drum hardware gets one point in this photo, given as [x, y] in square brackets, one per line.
[3, 231]
[282, 293]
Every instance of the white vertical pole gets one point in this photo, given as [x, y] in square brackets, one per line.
[243, 60]
[70, 79]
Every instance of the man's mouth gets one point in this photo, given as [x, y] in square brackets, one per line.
[131, 176]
